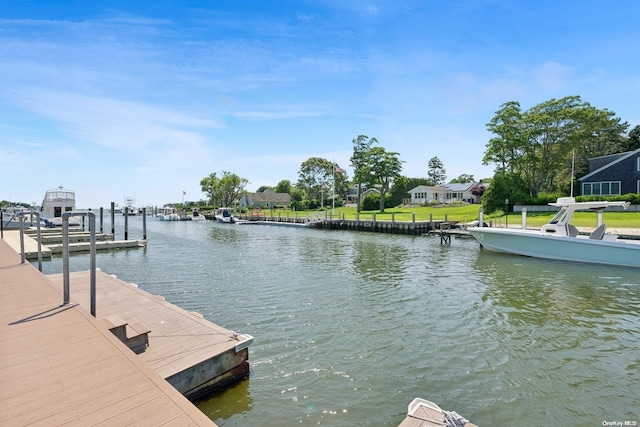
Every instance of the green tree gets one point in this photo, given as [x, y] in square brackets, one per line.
[209, 186]
[505, 149]
[318, 178]
[436, 174]
[225, 190]
[383, 167]
[283, 186]
[463, 179]
[359, 162]
[401, 187]
[538, 144]
[504, 185]
[633, 142]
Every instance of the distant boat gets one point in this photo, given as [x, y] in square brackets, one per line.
[168, 214]
[559, 239]
[224, 216]
[129, 207]
[197, 216]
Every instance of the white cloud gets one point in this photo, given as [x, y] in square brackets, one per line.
[552, 76]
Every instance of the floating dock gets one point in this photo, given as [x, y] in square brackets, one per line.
[51, 242]
[191, 353]
[61, 366]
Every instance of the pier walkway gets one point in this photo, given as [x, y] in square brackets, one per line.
[61, 366]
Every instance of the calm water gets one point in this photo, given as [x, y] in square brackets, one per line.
[350, 327]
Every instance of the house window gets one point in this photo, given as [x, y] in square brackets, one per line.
[608, 188]
[638, 164]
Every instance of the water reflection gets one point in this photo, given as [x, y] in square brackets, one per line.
[376, 262]
[567, 334]
[233, 401]
[538, 291]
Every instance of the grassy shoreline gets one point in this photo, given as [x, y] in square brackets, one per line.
[468, 213]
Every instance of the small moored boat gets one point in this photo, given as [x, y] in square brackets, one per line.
[197, 216]
[224, 215]
[168, 214]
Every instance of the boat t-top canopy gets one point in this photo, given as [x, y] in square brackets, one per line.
[570, 203]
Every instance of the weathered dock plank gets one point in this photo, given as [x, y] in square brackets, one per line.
[60, 366]
[195, 355]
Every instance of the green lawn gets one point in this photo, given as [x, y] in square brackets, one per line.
[585, 219]
[468, 213]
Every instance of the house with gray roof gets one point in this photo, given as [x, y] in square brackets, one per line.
[611, 175]
[268, 199]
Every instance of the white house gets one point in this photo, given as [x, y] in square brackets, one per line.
[445, 193]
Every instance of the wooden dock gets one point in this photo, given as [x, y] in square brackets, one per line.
[367, 222]
[191, 353]
[448, 230]
[61, 366]
[51, 242]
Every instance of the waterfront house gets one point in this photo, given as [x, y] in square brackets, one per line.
[268, 199]
[445, 193]
[352, 195]
[612, 175]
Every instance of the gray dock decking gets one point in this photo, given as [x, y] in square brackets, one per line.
[59, 365]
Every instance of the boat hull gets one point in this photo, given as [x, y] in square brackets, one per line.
[225, 219]
[578, 249]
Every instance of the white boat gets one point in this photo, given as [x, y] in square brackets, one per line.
[56, 202]
[224, 215]
[559, 239]
[197, 216]
[169, 214]
[129, 207]
[425, 413]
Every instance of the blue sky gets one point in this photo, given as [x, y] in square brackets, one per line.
[144, 99]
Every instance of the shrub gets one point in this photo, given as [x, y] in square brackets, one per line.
[371, 202]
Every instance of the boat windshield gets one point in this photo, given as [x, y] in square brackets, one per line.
[59, 195]
[561, 216]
